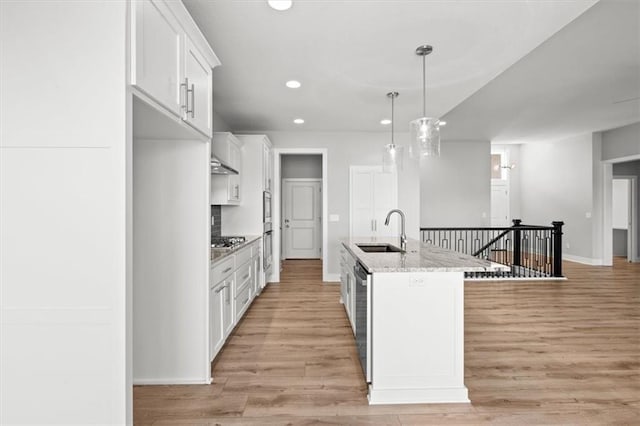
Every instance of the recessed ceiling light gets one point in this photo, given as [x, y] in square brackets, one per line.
[280, 4]
[385, 121]
[442, 123]
[293, 84]
[298, 121]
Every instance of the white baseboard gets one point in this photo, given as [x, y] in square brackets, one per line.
[418, 396]
[583, 260]
[173, 381]
[331, 278]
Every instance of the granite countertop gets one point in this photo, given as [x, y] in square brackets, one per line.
[218, 254]
[419, 257]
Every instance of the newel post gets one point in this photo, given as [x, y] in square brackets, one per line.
[557, 248]
[517, 242]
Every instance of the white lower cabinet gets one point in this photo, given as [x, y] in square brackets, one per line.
[347, 285]
[234, 285]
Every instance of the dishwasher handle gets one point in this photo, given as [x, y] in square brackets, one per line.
[361, 272]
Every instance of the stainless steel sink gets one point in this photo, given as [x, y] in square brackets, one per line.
[379, 248]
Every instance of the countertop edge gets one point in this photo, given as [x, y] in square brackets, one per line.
[250, 239]
[362, 258]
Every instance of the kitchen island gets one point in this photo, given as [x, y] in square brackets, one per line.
[407, 311]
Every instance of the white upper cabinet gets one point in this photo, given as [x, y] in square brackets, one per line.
[227, 189]
[171, 62]
[373, 194]
[197, 81]
[157, 46]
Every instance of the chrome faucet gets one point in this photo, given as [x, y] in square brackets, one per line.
[403, 236]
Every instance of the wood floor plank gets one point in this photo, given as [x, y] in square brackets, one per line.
[562, 352]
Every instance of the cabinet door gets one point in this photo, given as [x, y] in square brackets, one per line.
[198, 102]
[384, 200]
[156, 68]
[372, 194]
[227, 316]
[361, 203]
[216, 310]
[265, 169]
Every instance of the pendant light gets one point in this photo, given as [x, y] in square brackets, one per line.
[425, 131]
[392, 154]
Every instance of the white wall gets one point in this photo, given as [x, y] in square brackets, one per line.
[455, 189]
[301, 167]
[63, 192]
[621, 143]
[353, 148]
[557, 184]
[219, 125]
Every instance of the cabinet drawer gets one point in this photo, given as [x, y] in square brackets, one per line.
[222, 269]
[243, 256]
[243, 276]
[242, 301]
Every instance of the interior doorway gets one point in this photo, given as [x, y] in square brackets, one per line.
[300, 206]
[623, 214]
[500, 188]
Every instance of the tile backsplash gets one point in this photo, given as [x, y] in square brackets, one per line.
[216, 215]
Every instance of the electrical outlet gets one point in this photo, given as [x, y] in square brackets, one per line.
[587, 215]
[568, 245]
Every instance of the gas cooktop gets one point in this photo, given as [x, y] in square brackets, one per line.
[226, 242]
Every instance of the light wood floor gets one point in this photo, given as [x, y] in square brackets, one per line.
[564, 352]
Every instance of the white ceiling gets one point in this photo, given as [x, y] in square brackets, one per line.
[349, 54]
[585, 78]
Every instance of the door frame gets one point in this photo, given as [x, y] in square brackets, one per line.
[606, 239]
[632, 230]
[283, 244]
[277, 204]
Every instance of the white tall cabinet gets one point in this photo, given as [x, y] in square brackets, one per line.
[372, 194]
[64, 193]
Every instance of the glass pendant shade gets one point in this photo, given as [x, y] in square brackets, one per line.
[425, 137]
[425, 131]
[392, 158]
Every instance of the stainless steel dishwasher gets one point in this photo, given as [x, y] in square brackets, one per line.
[363, 317]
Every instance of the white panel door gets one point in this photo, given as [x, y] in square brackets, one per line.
[302, 219]
[500, 204]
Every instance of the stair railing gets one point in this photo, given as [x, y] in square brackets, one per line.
[530, 251]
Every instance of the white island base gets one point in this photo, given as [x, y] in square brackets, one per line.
[417, 338]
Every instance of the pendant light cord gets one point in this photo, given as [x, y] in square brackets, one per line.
[424, 85]
[392, 119]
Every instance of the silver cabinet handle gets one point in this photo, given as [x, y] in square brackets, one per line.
[245, 277]
[220, 289]
[187, 91]
[372, 224]
[193, 100]
[226, 270]
[375, 224]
